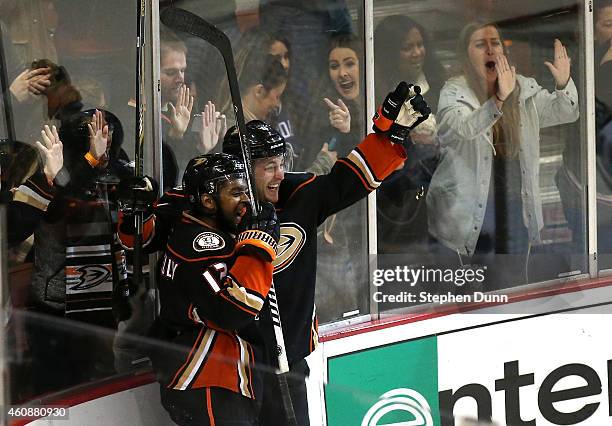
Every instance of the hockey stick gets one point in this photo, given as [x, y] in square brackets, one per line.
[189, 23]
[139, 142]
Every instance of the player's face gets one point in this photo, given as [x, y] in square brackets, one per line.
[172, 76]
[412, 54]
[281, 53]
[233, 197]
[269, 173]
[344, 72]
[603, 25]
[485, 45]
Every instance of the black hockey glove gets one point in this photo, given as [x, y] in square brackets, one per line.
[259, 232]
[402, 110]
[136, 194]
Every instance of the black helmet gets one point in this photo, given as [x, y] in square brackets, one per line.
[264, 141]
[204, 173]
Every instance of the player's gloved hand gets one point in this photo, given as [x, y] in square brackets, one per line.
[401, 111]
[122, 294]
[259, 231]
[388, 111]
[136, 194]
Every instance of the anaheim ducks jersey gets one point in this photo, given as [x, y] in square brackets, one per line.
[77, 257]
[305, 201]
[210, 295]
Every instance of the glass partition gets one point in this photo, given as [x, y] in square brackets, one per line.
[493, 178]
[603, 123]
[68, 71]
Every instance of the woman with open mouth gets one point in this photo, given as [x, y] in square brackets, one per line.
[335, 127]
[484, 198]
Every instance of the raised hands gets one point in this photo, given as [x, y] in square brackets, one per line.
[214, 124]
[339, 115]
[506, 78]
[180, 114]
[30, 83]
[560, 67]
[98, 135]
[51, 152]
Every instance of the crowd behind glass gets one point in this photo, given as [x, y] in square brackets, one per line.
[496, 175]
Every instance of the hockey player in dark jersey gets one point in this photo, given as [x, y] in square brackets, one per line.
[212, 286]
[303, 201]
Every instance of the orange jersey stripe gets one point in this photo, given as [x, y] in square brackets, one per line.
[211, 416]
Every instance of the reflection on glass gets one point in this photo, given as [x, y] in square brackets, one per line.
[69, 73]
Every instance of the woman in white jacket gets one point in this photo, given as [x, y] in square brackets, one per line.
[484, 198]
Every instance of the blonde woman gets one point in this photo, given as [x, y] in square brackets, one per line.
[484, 198]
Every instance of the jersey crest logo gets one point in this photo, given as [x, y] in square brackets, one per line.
[208, 241]
[91, 276]
[291, 241]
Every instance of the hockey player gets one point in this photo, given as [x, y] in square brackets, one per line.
[303, 201]
[212, 286]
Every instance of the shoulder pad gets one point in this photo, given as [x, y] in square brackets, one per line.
[290, 183]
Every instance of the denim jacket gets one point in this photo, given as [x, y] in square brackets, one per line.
[459, 188]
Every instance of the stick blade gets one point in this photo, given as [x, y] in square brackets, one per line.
[187, 22]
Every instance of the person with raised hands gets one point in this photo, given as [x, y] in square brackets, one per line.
[180, 114]
[484, 198]
[66, 204]
[51, 152]
[213, 127]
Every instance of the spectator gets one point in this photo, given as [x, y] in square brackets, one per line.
[176, 103]
[484, 196]
[65, 204]
[262, 81]
[336, 120]
[404, 52]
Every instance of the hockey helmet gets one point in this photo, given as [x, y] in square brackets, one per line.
[205, 173]
[264, 141]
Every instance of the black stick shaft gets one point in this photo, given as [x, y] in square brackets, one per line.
[139, 147]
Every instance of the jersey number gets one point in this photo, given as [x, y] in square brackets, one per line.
[214, 276]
